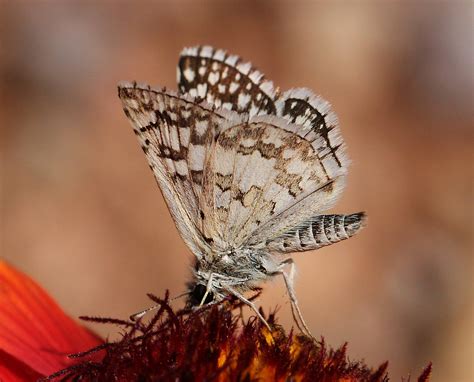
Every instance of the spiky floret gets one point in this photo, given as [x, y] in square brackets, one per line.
[212, 344]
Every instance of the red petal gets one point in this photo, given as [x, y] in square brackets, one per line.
[13, 370]
[33, 328]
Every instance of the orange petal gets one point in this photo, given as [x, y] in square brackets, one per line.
[33, 328]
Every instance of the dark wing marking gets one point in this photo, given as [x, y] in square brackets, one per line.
[176, 135]
[225, 81]
[259, 172]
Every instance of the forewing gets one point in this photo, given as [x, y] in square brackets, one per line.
[176, 134]
[258, 173]
[225, 81]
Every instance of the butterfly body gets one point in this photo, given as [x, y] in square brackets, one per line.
[241, 269]
[245, 170]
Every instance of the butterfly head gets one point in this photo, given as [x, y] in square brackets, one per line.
[196, 295]
[232, 270]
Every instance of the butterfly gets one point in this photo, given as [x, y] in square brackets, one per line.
[245, 169]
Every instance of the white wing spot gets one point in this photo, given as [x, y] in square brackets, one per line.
[189, 74]
[207, 51]
[196, 154]
[219, 55]
[184, 136]
[213, 78]
[181, 167]
[243, 100]
[244, 68]
[202, 90]
[225, 72]
[232, 60]
[201, 127]
[233, 87]
[256, 76]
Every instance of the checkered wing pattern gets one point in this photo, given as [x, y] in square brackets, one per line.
[241, 164]
[225, 81]
[176, 134]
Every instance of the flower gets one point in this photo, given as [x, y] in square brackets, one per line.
[36, 336]
[210, 343]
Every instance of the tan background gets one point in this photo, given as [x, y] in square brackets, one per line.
[82, 215]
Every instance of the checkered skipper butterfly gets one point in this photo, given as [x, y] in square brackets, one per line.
[245, 169]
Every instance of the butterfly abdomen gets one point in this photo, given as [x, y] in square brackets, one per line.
[320, 231]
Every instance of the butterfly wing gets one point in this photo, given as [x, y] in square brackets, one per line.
[228, 186]
[225, 81]
[229, 82]
[313, 120]
[262, 179]
[176, 135]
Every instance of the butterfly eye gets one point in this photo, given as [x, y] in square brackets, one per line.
[261, 268]
[197, 294]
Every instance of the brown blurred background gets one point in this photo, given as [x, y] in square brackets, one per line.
[82, 215]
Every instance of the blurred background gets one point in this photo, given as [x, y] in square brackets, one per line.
[82, 215]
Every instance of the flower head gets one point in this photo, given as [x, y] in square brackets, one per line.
[38, 339]
[212, 344]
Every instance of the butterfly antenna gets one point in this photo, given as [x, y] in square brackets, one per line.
[136, 316]
[180, 295]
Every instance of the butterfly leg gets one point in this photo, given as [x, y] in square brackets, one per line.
[295, 309]
[208, 289]
[249, 303]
